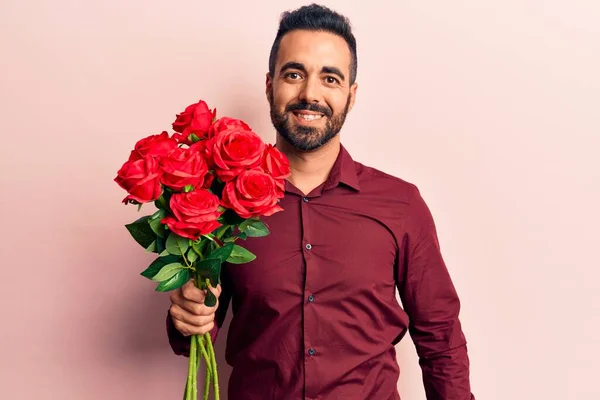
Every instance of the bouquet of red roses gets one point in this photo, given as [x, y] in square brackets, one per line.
[210, 181]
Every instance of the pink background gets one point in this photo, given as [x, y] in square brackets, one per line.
[491, 107]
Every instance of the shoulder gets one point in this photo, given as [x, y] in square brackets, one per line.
[373, 179]
[399, 202]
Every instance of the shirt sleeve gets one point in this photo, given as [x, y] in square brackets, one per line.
[179, 343]
[432, 304]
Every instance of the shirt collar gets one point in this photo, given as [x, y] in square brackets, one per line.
[343, 171]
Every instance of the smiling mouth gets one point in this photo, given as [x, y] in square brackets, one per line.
[309, 117]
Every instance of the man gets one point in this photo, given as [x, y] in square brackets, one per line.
[315, 315]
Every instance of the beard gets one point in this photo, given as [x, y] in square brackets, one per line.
[306, 138]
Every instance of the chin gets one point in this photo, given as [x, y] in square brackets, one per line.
[307, 141]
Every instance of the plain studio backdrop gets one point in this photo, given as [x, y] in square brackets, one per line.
[490, 107]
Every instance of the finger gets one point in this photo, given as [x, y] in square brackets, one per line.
[216, 291]
[204, 310]
[195, 308]
[190, 292]
[187, 329]
[182, 315]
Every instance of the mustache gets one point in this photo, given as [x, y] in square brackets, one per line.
[309, 107]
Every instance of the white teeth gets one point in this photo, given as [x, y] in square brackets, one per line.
[309, 117]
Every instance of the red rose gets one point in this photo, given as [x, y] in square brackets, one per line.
[234, 150]
[194, 213]
[276, 164]
[254, 193]
[200, 147]
[184, 166]
[208, 180]
[154, 145]
[197, 119]
[224, 123]
[141, 179]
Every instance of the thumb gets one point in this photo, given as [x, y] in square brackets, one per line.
[216, 291]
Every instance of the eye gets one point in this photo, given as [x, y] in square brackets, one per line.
[292, 75]
[331, 80]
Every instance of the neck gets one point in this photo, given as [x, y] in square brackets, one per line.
[309, 168]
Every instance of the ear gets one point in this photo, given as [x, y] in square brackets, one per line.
[268, 85]
[353, 89]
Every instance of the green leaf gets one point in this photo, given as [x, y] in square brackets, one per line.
[167, 271]
[193, 138]
[191, 255]
[210, 300]
[211, 268]
[210, 236]
[233, 238]
[207, 265]
[161, 244]
[157, 246]
[188, 188]
[254, 228]
[157, 227]
[176, 244]
[244, 224]
[160, 203]
[176, 281]
[158, 214]
[240, 255]
[164, 253]
[222, 253]
[152, 247]
[141, 231]
[164, 200]
[222, 231]
[199, 246]
[157, 265]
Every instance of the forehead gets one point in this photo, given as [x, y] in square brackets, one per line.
[314, 50]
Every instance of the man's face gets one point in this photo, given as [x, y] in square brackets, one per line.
[310, 92]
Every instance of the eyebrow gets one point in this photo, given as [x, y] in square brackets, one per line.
[334, 71]
[325, 70]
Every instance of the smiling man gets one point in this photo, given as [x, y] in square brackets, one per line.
[315, 316]
[309, 91]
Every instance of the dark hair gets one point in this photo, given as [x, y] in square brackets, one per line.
[315, 17]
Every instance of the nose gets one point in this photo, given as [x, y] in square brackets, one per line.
[311, 91]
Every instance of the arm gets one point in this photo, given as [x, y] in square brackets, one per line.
[180, 344]
[432, 304]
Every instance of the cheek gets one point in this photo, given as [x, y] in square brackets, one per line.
[337, 102]
[282, 96]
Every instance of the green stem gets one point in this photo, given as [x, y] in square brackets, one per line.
[198, 252]
[208, 374]
[188, 263]
[195, 376]
[205, 355]
[211, 352]
[222, 231]
[190, 385]
[207, 385]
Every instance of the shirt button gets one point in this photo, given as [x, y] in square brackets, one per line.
[305, 199]
[311, 352]
[308, 246]
[311, 298]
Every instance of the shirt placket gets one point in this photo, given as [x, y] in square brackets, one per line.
[311, 352]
